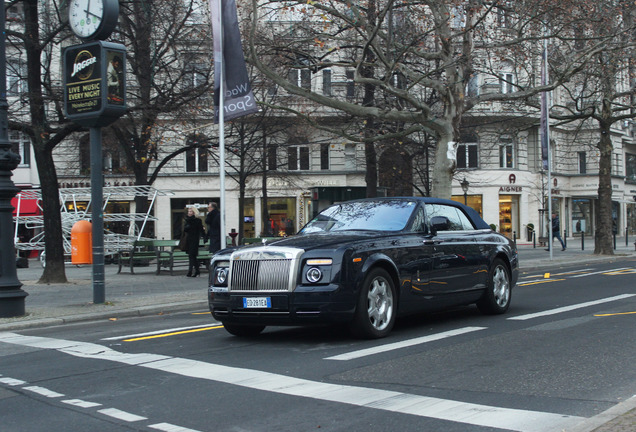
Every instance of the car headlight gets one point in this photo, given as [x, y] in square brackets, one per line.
[221, 272]
[317, 270]
[314, 274]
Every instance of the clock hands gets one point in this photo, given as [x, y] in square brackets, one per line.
[91, 13]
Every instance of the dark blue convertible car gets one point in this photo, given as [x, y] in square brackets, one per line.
[362, 264]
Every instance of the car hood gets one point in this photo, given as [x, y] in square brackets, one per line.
[317, 241]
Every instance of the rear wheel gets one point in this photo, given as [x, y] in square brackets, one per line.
[496, 299]
[244, 330]
[375, 312]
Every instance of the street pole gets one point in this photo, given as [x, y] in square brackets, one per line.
[11, 294]
[97, 215]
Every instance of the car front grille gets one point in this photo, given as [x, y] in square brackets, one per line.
[265, 268]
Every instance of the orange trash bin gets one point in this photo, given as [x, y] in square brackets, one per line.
[82, 243]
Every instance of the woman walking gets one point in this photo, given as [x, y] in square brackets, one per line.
[193, 229]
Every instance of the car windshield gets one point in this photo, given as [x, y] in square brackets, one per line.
[384, 215]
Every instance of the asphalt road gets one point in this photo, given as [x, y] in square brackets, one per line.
[563, 353]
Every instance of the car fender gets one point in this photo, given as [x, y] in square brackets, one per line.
[375, 260]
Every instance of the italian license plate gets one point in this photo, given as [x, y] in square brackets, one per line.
[257, 302]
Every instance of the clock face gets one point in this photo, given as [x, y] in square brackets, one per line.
[85, 16]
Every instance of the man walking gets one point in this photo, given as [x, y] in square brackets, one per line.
[556, 228]
[213, 221]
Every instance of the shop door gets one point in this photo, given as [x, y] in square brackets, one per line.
[509, 215]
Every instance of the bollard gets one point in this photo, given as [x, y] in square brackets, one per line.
[565, 237]
[514, 237]
[534, 240]
[582, 240]
[614, 235]
[626, 239]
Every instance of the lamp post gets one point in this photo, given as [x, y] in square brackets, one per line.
[11, 294]
[464, 184]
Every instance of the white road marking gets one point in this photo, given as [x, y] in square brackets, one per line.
[454, 411]
[177, 329]
[167, 427]
[12, 382]
[599, 272]
[570, 308]
[121, 415]
[43, 391]
[81, 403]
[403, 344]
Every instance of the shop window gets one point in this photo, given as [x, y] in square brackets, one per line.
[21, 145]
[298, 158]
[467, 155]
[582, 163]
[506, 154]
[282, 217]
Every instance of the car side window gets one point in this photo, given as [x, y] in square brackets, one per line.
[457, 219]
[419, 223]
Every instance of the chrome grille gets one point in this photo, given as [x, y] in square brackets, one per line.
[265, 268]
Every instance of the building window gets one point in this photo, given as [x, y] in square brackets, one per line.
[300, 78]
[326, 82]
[506, 154]
[616, 167]
[298, 158]
[473, 87]
[350, 157]
[196, 157]
[272, 162]
[16, 73]
[458, 17]
[324, 156]
[506, 82]
[195, 75]
[21, 145]
[505, 14]
[582, 163]
[630, 167]
[111, 161]
[467, 155]
[351, 88]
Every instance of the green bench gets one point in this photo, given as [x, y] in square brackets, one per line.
[143, 253]
[169, 258]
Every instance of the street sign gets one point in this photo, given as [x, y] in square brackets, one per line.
[94, 83]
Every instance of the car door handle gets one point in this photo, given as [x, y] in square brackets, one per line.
[429, 242]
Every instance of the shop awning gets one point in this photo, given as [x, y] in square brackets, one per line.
[28, 207]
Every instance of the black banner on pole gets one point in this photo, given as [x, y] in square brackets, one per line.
[238, 96]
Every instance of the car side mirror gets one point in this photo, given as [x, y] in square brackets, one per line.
[439, 223]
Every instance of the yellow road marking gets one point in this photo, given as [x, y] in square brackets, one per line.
[541, 282]
[201, 313]
[172, 334]
[613, 314]
[620, 272]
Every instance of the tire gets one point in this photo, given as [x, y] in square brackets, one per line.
[243, 330]
[496, 299]
[376, 308]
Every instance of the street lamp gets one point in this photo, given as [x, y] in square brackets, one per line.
[464, 184]
[11, 294]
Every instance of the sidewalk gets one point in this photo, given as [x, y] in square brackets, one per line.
[145, 293]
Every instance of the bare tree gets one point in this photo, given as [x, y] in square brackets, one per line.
[414, 61]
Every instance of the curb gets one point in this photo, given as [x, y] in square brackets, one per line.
[96, 316]
[599, 420]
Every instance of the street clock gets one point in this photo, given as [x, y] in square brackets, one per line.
[93, 19]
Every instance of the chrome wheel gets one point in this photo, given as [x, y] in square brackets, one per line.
[376, 308]
[500, 286]
[380, 303]
[496, 298]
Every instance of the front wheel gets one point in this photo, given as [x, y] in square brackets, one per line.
[496, 299]
[244, 330]
[376, 310]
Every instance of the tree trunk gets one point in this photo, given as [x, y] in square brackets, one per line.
[603, 244]
[443, 168]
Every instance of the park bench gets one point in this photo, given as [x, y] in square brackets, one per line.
[172, 257]
[142, 253]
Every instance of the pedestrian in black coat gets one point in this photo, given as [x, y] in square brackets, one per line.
[193, 229]
[213, 222]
